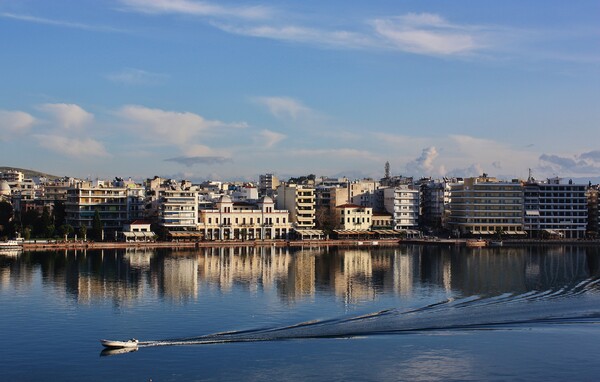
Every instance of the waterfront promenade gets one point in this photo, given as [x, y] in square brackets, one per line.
[67, 245]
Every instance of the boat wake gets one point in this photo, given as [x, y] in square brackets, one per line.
[575, 304]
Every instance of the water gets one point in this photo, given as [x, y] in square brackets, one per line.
[404, 313]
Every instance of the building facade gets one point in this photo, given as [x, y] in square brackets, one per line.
[353, 217]
[403, 203]
[486, 206]
[299, 200]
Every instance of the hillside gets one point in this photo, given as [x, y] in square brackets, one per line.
[28, 173]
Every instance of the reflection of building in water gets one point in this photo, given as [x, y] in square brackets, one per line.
[301, 276]
[248, 266]
[139, 257]
[180, 278]
[404, 271]
[352, 280]
[90, 288]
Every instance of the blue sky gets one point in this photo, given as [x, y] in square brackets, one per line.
[232, 89]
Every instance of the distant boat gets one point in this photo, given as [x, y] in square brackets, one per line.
[12, 244]
[496, 243]
[476, 243]
[132, 343]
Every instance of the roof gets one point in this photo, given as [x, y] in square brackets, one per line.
[140, 222]
[350, 205]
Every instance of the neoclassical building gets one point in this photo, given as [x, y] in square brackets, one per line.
[244, 221]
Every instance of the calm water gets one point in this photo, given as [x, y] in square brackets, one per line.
[405, 313]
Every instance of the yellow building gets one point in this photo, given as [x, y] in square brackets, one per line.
[353, 217]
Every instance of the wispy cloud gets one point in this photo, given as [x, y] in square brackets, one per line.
[197, 8]
[191, 161]
[426, 34]
[284, 107]
[270, 138]
[13, 123]
[132, 76]
[61, 23]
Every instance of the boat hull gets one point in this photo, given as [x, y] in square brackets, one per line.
[119, 344]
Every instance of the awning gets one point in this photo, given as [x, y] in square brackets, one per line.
[309, 232]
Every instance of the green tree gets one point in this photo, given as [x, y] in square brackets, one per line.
[27, 233]
[97, 226]
[6, 219]
[82, 232]
[66, 230]
[58, 213]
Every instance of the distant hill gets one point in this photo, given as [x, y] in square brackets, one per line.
[29, 173]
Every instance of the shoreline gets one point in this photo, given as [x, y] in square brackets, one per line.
[80, 245]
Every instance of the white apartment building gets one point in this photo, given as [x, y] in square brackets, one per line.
[555, 208]
[484, 205]
[403, 203]
[299, 200]
[267, 184]
[178, 209]
[244, 221]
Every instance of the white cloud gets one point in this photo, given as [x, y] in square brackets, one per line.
[132, 76]
[59, 23]
[343, 153]
[425, 34]
[284, 107]
[68, 116]
[197, 8]
[270, 138]
[587, 163]
[178, 128]
[423, 165]
[74, 147]
[14, 123]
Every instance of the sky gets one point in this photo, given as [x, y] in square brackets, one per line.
[229, 90]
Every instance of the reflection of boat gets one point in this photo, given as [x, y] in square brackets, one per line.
[474, 243]
[115, 351]
[132, 343]
[10, 252]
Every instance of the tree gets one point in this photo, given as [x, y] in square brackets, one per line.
[66, 230]
[83, 232]
[6, 219]
[97, 226]
[27, 233]
[325, 220]
[58, 213]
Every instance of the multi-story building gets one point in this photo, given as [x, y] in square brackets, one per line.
[485, 206]
[267, 184]
[593, 209]
[432, 204]
[403, 203]
[299, 200]
[353, 217]
[556, 209]
[244, 221]
[110, 202]
[178, 208]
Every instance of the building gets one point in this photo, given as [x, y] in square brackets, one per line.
[485, 206]
[299, 200]
[244, 221]
[556, 209]
[267, 184]
[593, 210]
[178, 208]
[353, 217]
[403, 203]
[110, 202]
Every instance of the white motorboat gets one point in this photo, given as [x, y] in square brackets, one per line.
[132, 343]
[12, 244]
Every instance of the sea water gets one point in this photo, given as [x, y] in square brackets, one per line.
[312, 313]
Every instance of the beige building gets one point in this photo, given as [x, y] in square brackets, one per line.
[244, 221]
[299, 200]
[354, 217]
[485, 205]
[111, 203]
